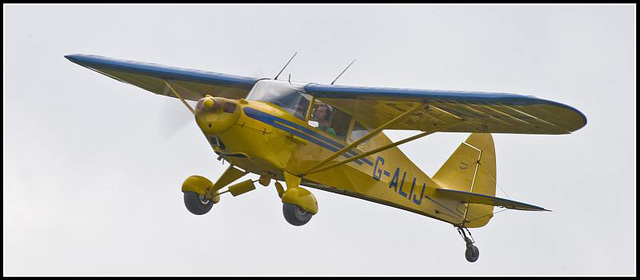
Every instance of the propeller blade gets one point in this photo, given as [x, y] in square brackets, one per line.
[174, 118]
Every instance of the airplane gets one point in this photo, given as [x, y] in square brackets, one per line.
[330, 137]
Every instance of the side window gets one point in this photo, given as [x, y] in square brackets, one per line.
[330, 120]
[340, 122]
[301, 107]
[358, 132]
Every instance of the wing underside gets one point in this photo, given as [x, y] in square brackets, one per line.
[191, 84]
[450, 111]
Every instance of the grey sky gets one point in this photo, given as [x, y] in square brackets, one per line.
[92, 168]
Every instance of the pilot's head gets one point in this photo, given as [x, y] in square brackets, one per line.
[323, 112]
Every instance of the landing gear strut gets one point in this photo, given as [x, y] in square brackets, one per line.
[299, 204]
[472, 253]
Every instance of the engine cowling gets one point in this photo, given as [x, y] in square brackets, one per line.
[216, 114]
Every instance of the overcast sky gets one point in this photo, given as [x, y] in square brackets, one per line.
[92, 167]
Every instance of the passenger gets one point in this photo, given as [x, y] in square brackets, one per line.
[323, 116]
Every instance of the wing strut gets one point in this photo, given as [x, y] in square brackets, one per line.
[179, 97]
[377, 150]
[364, 138]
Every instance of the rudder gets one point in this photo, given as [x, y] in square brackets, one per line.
[472, 168]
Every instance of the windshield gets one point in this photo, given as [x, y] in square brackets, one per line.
[290, 97]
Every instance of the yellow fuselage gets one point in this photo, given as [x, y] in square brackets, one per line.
[262, 138]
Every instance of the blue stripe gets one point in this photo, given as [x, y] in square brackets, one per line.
[314, 134]
[324, 138]
[281, 124]
[307, 137]
[289, 127]
[351, 92]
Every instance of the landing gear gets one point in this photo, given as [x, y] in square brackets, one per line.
[295, 215]
[299, 204]
[472, 253]
[197, 204]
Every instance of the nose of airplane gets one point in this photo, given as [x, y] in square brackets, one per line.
[215, 114]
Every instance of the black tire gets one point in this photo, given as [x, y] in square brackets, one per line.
[196, 204]
[472, 253]
[295, 215]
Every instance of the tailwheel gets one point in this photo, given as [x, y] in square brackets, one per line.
[472, 253]
[196, 203]
[295, 215]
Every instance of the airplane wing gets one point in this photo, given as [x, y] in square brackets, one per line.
[471, 111]
[191, 84]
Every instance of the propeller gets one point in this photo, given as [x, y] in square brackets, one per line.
[174, 118]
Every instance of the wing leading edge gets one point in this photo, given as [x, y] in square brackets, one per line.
[470, 111]
[192, 84]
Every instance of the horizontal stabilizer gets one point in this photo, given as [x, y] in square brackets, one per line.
[485, 199]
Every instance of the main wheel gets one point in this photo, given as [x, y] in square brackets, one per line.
[196, 203]
[472, 253]
[295, 215]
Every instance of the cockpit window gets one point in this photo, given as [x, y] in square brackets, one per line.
[358, 132]
[290, 97]
[329, 119]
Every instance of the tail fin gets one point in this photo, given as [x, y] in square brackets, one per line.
[472, 169]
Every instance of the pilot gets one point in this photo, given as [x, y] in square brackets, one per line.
[323, 116]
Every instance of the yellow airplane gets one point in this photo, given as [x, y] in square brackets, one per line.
[330, 137]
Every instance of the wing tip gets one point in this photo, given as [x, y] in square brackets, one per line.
[76, 58]
[537, 208]
[71, 57]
